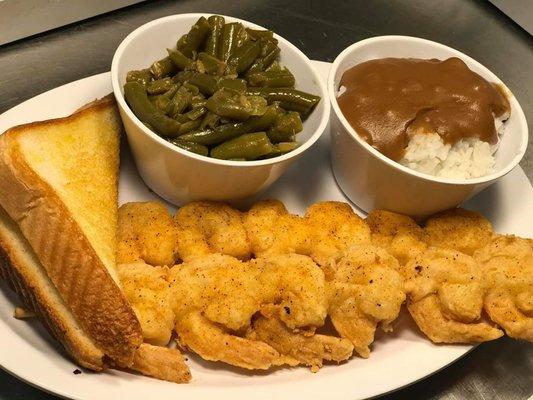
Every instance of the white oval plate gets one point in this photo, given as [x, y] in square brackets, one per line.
[405, 356]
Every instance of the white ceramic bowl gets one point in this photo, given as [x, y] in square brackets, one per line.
[180, 176]
[372, 180]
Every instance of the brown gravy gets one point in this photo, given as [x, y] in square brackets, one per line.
[388, 99]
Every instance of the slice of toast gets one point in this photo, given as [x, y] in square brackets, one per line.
[59, 185]
[21, 269]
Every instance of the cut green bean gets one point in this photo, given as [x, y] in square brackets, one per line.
[159, 86]
[180, 61]
[143, 76]
[228, 40]
[210, 120]
[213, 39]
[137, 97]
[196, 113]
[290, 99]
[192, 147]
[207, 84]
[249, 146]
[244, 56]
[189, 126]
[279, 149]
[189, 43]
[162, 68]
[258, 34]
[282, 78]
[230, 104]
[238, 85]
[210, 65]
[285, 128]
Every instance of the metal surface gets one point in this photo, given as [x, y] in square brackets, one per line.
[498, 370]
[520, 11]
[23, 18]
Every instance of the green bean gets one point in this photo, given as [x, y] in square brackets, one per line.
[242, 36]
[192, 147]
[189, 43]
[274, 66]
[163, 101]
[210, 120]
[249, 146]
[189, 126]
[196, 113]
[159, 86]
[282, 78]
[279, 149]
[258, 105]
[210, 65]
[286, 126]
[269, 52]
[244, 56]
[181, 100]
[137, 97]
[205, 82]
[179, 59]
[258, 34]
[231, 104]
[209, 137]
[162, 68]
[213, 39]
[228, 40]
[143, 76]
[290, 99]
[238, 85]
[181, 118]
[192, 89]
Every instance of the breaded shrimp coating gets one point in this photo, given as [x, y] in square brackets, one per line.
[365, 290]
[459, 229]
[334, 227]
[445, 291]
[507, 265]
[212, 343]
[215, 296]
[304, 346]
[146, 232]
[272, 230]
[147, 290]
[209, 227]
[400, 235]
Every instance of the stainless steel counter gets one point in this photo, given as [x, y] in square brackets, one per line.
[498, 370]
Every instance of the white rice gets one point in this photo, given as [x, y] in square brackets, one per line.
[468, 158]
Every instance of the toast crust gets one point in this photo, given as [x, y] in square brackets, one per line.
[71, 262]
[17, 268]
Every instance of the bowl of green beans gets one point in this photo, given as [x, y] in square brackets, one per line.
[215, 107]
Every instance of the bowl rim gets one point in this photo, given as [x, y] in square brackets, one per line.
[519, 113]
[319, 130]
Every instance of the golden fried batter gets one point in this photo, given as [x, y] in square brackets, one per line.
[304, 346]
[146, 232]
[459, 229]
[212, 343]
[146, 288]
[400, 235]
[445, 297]
[334, 227]
[215, 296]
[365, 290]
[507, 265]
[272, 230]
[206, 227]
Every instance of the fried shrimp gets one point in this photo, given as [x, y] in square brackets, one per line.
[400, 235]
[507, 265]
[334, 227]
[217, 295]
[445, 297]
[459, 229]
[146, 232]
[272, 230]
[210, 227]
[213, 343]
[365, 290]
[302, 345]
[146, 288]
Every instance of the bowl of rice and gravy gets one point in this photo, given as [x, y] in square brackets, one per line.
[419, 127]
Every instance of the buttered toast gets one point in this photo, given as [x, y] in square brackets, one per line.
[59, 187]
